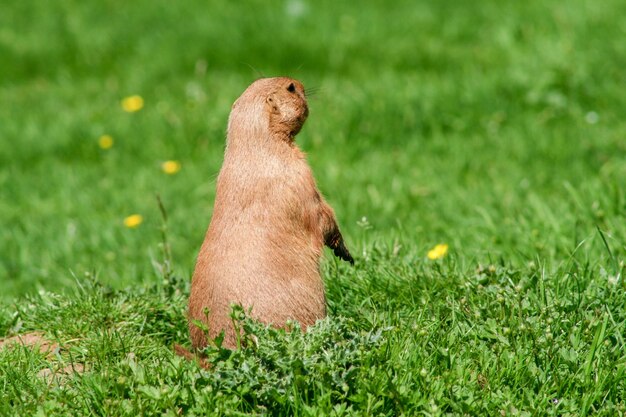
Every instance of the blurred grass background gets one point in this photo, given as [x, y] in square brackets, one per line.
[498, 128]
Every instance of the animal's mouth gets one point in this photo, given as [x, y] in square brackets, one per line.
[297, 126]
[304, 115]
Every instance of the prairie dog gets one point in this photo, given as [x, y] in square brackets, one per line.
[270, 223]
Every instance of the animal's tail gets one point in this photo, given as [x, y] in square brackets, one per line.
[181, 351]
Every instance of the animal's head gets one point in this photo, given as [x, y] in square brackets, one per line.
[270, 105]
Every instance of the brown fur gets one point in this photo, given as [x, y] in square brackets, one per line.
[269, 224]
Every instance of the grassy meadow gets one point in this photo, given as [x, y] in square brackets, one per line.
[495, 128]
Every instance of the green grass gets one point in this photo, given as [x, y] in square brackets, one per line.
[496, 128]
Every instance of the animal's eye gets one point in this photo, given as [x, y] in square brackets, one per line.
[291, 88]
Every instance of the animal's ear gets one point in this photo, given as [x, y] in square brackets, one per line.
[273, 105]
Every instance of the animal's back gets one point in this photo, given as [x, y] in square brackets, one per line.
[261, 251]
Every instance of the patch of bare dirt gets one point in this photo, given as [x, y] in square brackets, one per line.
[37, 341]
[34, 340]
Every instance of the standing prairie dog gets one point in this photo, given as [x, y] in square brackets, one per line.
[270, 223]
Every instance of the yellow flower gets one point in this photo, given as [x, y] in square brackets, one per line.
[105, 141]
[133, 221]
[132, 104]
[438, 251]
[170, 167]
